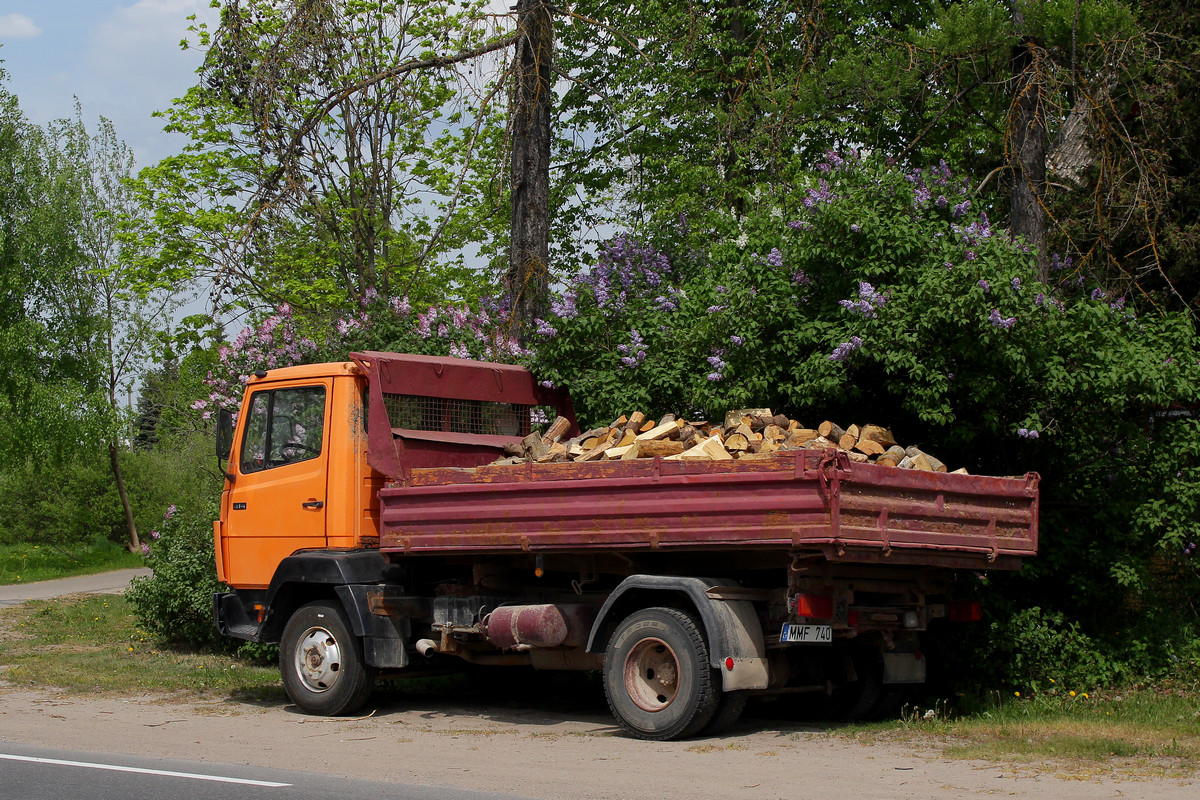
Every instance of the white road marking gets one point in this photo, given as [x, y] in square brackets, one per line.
[162, 772]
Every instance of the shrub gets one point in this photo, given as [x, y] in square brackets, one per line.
[175, 604]
[1040, 649]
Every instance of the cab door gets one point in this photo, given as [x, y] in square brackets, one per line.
[278, 497]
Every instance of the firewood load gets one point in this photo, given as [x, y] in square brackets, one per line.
[749, 433]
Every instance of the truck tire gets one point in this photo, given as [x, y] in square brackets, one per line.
[657, 678]
[729, 709]
[321, 661]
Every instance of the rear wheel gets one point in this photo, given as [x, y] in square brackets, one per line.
[657, 678]
[729, 710]
[321, 661]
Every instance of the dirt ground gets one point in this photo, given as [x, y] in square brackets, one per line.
[538, 750]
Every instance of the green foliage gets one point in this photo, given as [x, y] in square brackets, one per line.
[370, 174]
[1035, 649]
[175, 604]
[75, 501]
[870, 294]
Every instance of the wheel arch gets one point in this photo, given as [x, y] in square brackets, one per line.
[731, 627]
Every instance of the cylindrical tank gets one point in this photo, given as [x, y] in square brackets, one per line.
[535, 626]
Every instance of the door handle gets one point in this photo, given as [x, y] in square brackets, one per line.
[314, 504]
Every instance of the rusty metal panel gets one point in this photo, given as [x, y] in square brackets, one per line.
[802, 500]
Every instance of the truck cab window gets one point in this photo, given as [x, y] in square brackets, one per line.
[283, 426]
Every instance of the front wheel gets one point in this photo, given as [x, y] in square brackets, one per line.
[657, 677]
[321, 661]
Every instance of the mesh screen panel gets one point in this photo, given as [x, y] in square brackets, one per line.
[457, 416]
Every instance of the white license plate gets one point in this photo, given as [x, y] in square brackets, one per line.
[813, 634]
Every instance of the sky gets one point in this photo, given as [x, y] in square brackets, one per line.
[121, 59]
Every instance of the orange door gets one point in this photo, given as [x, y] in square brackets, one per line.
[277, 501]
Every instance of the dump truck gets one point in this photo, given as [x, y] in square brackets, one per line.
[365, 528]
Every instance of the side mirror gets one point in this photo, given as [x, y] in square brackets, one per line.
[224, 434]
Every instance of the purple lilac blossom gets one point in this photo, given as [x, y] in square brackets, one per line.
[737, 341]
[1027, 433]
[545, 328]
[987, 287]
[868, 301]
[775, 257]
[844, 349]
[1098, 294]
[1001, 322]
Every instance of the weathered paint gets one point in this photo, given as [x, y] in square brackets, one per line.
[798, 500]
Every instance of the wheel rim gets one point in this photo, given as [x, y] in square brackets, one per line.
[318, 660]
[651, 674]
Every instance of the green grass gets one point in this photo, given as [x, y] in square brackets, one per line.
[93, 644]
[29, 563]
[1146, 731]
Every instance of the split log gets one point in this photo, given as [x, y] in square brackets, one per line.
[892, 456]
[733, 418]
[534, 447]
[847, 441]
[708, 450]
[635, 422]
[831, 430]
[744, 430]
[619, 422]
[774, 433]
[877, 433]
[801, 436]
[647, 425]
[737, 442]
[869, 447]
[629, 438]
[598, 450]
[659, 447]
[858, 458]
[783, 422]
[661, 431]
[921, 462]
[854, 431]
[557, 430]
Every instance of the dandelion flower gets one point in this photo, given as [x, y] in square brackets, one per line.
[1016, 694]
[1072, 694]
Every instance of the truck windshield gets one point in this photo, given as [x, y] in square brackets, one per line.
[283, 426]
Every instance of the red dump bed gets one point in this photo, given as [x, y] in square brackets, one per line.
[797, 500]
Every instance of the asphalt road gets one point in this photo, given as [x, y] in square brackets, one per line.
[100, 583]
[39, 773]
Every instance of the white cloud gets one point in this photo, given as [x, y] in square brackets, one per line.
[18, 26]
[134, 65]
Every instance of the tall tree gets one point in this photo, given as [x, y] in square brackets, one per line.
[527, 282]
[335, 149]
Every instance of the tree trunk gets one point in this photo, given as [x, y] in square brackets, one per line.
[527, 281]
[1027, 141]
[135, 544]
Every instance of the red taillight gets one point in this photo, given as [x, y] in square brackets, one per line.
[816, 606]
[729, 663]
[965, 611]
